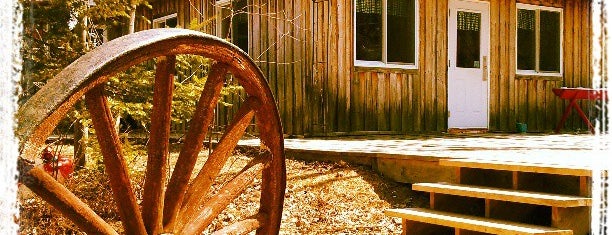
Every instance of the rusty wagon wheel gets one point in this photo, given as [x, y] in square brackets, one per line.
[183, 207]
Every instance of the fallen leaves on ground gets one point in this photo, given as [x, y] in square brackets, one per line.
[332, 198]
[320, 198]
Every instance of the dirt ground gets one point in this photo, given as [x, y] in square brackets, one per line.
[321, 198]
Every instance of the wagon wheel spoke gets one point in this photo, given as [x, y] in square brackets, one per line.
[201, 184]
[244, 226]
[232, 189]
[158, 145]
[194, 140]
[41, 183]
[116, 168]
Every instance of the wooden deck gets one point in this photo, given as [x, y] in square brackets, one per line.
[478, 183]
[412, 159]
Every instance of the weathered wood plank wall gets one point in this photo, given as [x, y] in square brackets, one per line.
[358, 100]
[188, 11]
[280, 44]
[278, 40]
[390, 100]
[515, 98]
[305, 49]
[578, 52]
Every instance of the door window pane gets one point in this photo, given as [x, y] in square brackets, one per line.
[468, 39]
[550, 39]
[400, 27]
[525, 36]
[368, 33]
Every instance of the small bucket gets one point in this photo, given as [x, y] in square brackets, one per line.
[521, 127]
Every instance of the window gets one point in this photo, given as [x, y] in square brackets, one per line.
[538, 40]
[97, 35]
[233, 22]
[468, 39]
[386, 33]
[169, 21]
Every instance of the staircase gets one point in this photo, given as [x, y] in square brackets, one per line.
[496, 197]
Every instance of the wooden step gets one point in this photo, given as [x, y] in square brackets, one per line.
[518, 166]
[472, 223]
[535, 198]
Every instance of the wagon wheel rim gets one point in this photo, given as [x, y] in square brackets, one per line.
[179, 208]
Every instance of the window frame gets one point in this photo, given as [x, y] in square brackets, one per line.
[384, 62]
[536, 71]
[158, 20]
[103, 36]
[219, 5]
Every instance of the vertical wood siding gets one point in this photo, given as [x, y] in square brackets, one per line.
[384, 102]
[351, 100]
[387, 100]
[516, 98]
[279, 42]
[188, 11]
[281, 45]
[305, 49]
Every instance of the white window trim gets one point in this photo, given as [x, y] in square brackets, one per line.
[383, 63]
[223, 2]
[219, 5]
[535, 72]
[164, 18]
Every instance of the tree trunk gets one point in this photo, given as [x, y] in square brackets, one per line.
[81, 134]
[84, 34]
[132, 24]
[118, 123]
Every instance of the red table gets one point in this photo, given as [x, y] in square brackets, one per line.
[574, 94]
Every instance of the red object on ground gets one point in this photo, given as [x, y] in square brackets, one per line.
[65, 166]
[574, 94]
[53, 164]
[48, 168]
[47, 155]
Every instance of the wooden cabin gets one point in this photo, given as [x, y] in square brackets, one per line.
[353, 67]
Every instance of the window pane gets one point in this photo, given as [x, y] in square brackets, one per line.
[171, 23]
[468, 39]
[400, 30]
[525, 40]
[550, 41]
[240, 25]
[369, 30]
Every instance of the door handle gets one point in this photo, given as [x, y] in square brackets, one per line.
[485, 68]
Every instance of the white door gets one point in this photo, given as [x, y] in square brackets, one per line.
[468, 75]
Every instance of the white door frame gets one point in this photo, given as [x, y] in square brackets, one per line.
[482, 72]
